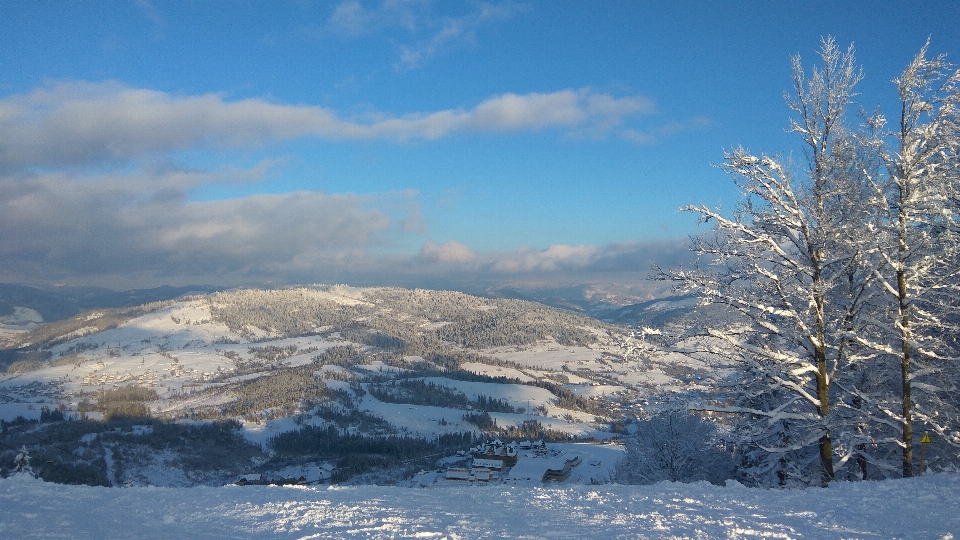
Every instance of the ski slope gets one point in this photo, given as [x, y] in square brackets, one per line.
[927, 508]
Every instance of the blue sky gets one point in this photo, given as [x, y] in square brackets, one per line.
[400, 141]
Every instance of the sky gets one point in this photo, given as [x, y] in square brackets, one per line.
[399, 142]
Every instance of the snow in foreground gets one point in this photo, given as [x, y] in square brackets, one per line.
[927, 507]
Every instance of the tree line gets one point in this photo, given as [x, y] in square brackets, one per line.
[840, 272]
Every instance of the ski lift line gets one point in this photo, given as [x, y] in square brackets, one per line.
[55, 445]
[421, 457]
[44, 441]
[5, 445]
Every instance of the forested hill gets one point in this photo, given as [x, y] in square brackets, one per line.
[411, 317]
[419, 371]
[389, 318]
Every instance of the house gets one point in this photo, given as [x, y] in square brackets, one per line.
[325, 472]
[482, 474]
[458, 473]
[250, 480]
[561, 474]
[496, 464]
[507, 454]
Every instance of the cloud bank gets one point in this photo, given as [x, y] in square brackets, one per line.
[144, 226]
[91, 192]
[142, 230]
[635, 257]
[74, 123]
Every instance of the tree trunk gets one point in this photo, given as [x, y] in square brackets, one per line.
[905, 346]
[826, 459]
[907, 421]
[826, 445]
[823, 376]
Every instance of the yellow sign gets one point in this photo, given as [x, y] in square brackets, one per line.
[926, 438]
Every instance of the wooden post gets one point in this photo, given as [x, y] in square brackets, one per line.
[923, 451]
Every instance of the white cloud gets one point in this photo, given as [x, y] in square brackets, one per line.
[447, 252]
[666, 130]
[556, 259]
[351, 18]
[428, 33]
[57, 227]
[78, 122]
[150, 11]
[450, 30]
[62, 220]
[553, 258]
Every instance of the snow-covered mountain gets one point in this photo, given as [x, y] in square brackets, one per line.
[391, 362]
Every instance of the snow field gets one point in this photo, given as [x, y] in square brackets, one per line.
[22, 318]
[517, 395]
[926, 507]
[425, 420]
[419, 420]
[496, 371]
[551, 356]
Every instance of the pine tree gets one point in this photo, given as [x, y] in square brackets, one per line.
[22, 463]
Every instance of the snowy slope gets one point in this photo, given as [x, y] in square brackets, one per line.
[923, 508]
[180, 350]
[212, 357]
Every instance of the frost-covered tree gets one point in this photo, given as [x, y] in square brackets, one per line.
[21, 463]
[675, 446]
[784, 263]
[916, 242]
[844, 275]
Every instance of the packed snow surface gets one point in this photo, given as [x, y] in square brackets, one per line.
[927, 507]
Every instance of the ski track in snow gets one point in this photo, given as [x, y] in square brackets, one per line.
[927, 507]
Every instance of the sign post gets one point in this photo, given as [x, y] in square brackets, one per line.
[923, 450]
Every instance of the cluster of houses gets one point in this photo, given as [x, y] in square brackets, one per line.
[310, 475]
[490, 459]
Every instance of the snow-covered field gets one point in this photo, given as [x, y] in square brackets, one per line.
[923, 508]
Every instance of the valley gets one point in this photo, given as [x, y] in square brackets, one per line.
[418, 372]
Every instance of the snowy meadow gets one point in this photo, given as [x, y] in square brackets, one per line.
[923, 507]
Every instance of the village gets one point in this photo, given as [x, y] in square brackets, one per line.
[526, 463]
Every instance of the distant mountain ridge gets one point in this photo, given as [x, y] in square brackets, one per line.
[605, 303]
[58, 303]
